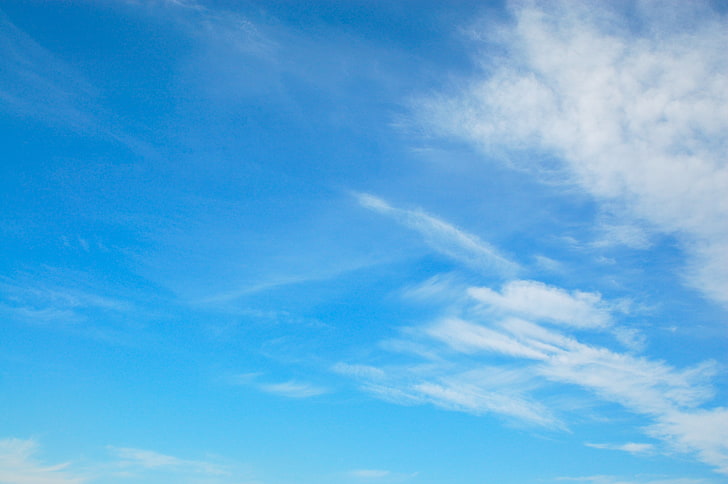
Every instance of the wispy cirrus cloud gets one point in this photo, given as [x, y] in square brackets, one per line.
[288, 389]
[464, 362]
[446, 382]
[148, 459]
[510, 352]
[45, 299]
[369, 473]
[702, 432]
[294, 389]
[379, 475]
[635, 110]
[18, 465]
[510, 363]
[467, 337]
[631, 447]
[634, 480]
[540, 301]
[36, 84]
[444, 237]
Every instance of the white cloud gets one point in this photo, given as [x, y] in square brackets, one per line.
[38, 84]
[703, 432]
[294, 389]
[35, 83]
[631, 447]
[641, 385]
[539, 301]
[439, 289]
[633, 480]
[475, 392]
[628, 235]
[41, 316]
[291, 388]
[548, 264]
[148, 459]
[143, 465]
[446, 383]
[369, 473]
[379, 475]
[359, 371]
[38, 301]
[472, 395]
[444, 237]
[481, 324]
[467, 337]
[631, 338]
[460, 349]
[636, 110]
[18, 465]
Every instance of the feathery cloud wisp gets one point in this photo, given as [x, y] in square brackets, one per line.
[631, 447]
[18, 465]
[539, 301]
[294, 389]
[458, 374]
[445, 238]
[149, 459]
[369, 473]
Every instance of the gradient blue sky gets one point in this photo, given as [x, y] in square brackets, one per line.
[363, 242]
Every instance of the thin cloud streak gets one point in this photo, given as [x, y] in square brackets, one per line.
[445, 238]
[19, 466]
[631, 447]
[38, 84]
[369, 473]
[379, 475]
[148, 459]
[294, 389]
[289, 389]
[632, 480]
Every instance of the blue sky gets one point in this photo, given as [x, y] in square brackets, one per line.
[363, 242]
